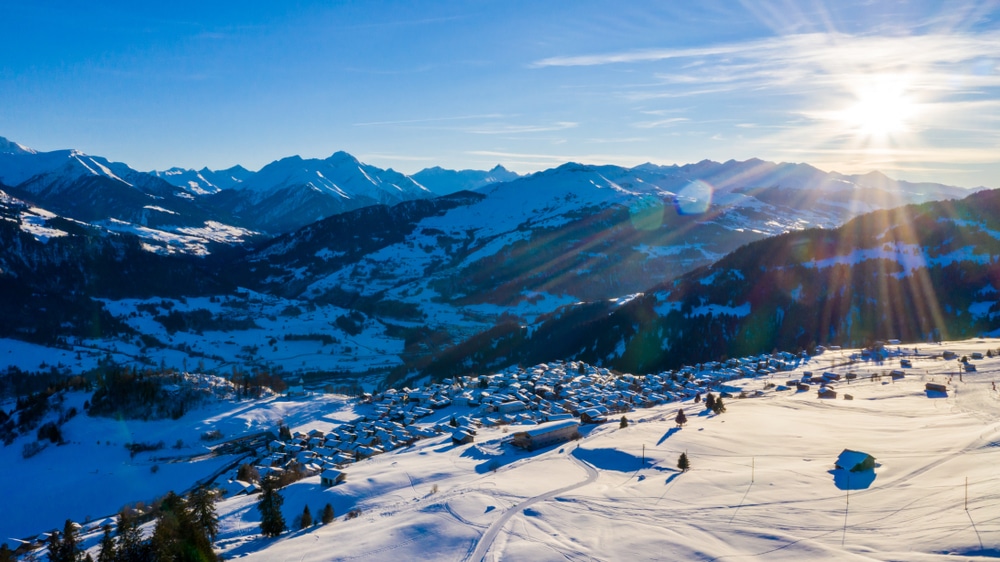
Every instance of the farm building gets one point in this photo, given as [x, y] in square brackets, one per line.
[855, 461]
[546, 434]
[331, 477]
[936, 387]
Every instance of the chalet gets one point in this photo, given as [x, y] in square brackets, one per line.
[511, 407]
[854, 461]
[827, 392]
[906, 363]
[970, 367]
[897, 374]
[977, 355]
[332, 477]
[948, 355]
[546, 434]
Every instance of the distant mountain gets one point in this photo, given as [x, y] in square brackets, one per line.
[204, 181]
[73, 186]
[556, 264]
[293, 192]
[444, 182]
[918, 273]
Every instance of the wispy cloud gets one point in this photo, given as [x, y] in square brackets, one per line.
[428, 120]
[660, 123]
[508, 129]
[798, 93]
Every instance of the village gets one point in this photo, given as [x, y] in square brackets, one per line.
[552, 400]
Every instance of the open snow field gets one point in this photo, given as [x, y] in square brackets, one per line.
[761, 484]
[93, 475]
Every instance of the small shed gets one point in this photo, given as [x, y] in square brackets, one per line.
[827, 392]
[331, 477]
[460, 437]
[855, 461]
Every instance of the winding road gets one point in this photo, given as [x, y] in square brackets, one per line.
[486, 541]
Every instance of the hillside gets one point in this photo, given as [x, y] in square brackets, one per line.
[762, 479]
[917, 273]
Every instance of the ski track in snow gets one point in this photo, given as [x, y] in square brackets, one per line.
[491, 534]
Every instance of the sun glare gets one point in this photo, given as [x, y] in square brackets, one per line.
[882, 108]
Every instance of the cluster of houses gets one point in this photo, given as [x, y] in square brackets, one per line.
[555, 396]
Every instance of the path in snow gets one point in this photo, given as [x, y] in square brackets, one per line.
[491, 534]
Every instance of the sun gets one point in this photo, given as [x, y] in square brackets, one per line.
[882, 107]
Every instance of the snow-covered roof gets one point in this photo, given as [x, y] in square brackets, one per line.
[550, 426]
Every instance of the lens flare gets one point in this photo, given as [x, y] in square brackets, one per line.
[694, 199]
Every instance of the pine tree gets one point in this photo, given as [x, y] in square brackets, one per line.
[272, 522]
[683, 463]
[107, 553]
[54, 544]
[284, 433]
[65, 546]
[327, 514]
[681, 419]
[697, 398]
[719, 406]
[710, 401]
[624, 423]
[6, 555]
[202, 502]
[130, 546]
[177, 536]
[307, 518]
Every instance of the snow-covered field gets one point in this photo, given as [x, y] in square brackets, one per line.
[761, 484]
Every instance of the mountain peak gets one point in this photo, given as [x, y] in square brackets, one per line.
[11, 147]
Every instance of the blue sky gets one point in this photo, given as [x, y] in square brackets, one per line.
[909, 88]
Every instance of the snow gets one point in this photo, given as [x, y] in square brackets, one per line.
[909, 257]
[762, 482]
[93, 475]
[718, 310]
[762, 485]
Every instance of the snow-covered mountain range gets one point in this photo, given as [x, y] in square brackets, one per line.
[361, 254]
